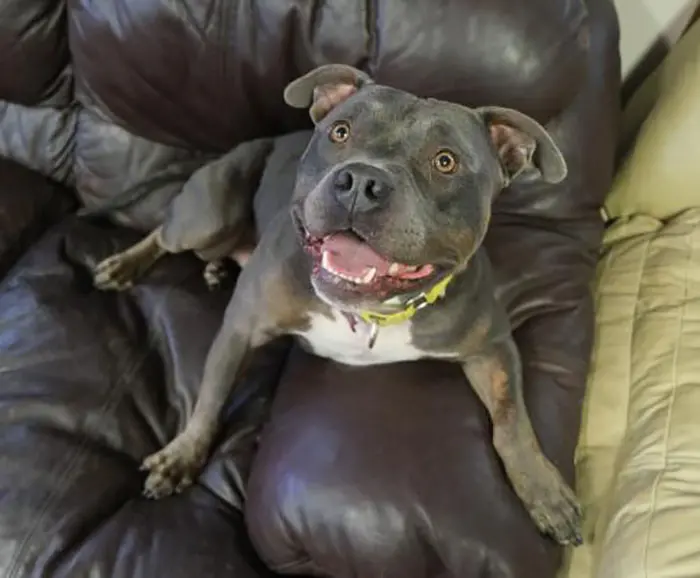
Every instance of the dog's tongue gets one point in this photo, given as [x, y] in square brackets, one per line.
[349, 255]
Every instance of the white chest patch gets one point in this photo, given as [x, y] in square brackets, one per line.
[335, 339]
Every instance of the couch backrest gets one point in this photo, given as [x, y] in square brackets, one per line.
[93, 86]
[208, 74]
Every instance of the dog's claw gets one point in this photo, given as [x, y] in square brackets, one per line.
[174, 468]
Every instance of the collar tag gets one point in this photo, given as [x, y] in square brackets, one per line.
[373, 333]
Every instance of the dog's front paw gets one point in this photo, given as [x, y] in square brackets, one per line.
[116, 273]
[551, 503]
[175, 467]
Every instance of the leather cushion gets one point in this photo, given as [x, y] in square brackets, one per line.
[91, 383]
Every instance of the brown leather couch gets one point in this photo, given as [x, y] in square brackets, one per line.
[384, 472]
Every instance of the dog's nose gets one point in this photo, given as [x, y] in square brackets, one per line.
[361, 188]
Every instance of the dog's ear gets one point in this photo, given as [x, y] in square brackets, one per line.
[524, 146]
[324, 88]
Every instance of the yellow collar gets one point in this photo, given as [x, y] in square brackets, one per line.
[412, 306]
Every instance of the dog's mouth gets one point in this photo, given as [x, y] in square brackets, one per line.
[346, 255]
[344, 261]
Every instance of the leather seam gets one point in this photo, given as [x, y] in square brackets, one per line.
[669, 419]
[633, 325]
[630, 348]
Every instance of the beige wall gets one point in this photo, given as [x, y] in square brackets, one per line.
[644, 22]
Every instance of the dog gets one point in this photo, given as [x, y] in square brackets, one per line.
[377, 258]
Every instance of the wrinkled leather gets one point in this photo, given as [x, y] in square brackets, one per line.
[42, 139]
[353, 476]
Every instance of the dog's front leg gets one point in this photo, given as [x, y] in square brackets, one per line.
[175, 467]
[495, 375]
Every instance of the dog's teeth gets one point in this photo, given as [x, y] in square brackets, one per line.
[396, 269]
[369, 276]
[325, 258]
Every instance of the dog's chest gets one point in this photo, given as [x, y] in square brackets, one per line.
[333, 337]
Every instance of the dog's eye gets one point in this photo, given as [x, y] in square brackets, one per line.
[340, 132]
[445, 162]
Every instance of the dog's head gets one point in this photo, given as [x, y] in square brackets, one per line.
[395, 191]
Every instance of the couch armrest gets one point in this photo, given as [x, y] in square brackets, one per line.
[29, 204]
[638, 459]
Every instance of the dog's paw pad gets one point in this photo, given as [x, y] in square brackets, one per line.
[174, 468]
[116, 273]
[214, 274]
